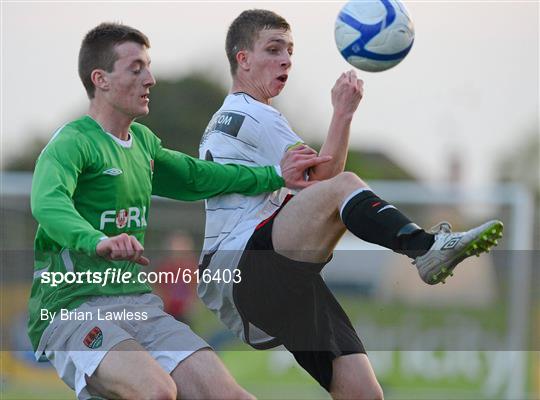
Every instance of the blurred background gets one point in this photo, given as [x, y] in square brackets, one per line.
[450, 133]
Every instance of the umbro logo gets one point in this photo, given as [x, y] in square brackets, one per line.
[451, 243]
[113, 172]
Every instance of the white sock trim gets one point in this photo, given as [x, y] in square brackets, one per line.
[349, 197]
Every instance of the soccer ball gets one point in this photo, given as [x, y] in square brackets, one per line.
[374, 35]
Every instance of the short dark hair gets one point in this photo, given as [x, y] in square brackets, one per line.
[97, 50]
[244, 30]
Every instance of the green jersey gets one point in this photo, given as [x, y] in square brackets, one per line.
[89, 185]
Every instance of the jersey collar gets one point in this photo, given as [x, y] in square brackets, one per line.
[124, 143]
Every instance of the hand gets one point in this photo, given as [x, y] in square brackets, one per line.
[347, 93]
[296, 162]
[122, 247]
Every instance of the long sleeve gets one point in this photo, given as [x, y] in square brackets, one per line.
[182, 177]
[53, 185]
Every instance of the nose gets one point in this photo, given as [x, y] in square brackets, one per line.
[149, 79]
[286, 62]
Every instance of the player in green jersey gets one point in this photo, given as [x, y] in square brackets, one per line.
[91, 195]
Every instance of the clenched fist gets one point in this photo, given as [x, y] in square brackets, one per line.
[347, 93]
[122, 247]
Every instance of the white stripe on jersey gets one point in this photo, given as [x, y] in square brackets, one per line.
[55, 134]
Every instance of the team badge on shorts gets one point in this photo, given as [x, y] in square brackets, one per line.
[94, 339]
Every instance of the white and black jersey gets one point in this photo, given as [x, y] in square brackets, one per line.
[243, 131]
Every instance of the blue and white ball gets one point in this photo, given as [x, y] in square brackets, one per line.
[374, 35]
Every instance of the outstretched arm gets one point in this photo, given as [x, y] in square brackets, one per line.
[346, 96]
[181, 177]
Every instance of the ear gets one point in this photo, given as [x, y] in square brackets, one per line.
[100, 79]
[242, 58]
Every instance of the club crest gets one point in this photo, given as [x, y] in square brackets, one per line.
[94, 338]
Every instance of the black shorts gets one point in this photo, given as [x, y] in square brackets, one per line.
[289, 300]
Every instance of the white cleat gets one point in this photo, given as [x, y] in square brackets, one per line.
[450, 248]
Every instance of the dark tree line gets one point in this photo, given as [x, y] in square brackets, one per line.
[179, 112]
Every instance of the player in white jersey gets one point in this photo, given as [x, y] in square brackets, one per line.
[274, 245]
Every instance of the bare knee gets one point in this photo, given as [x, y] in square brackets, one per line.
[378, 392]
[374, 392]
[347, 181]
[203, 376]
[164, 391]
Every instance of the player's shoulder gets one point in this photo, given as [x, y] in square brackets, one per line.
[248, 105]
[242, 116]
[235, 118]
[267, 116]
[74, 133]
[143, 133]
[72, 140]
[139, 129]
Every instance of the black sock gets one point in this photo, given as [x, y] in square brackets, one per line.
[415, 244]
[374, 220]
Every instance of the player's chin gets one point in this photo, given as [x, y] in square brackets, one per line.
[142, 111]
[277, 89]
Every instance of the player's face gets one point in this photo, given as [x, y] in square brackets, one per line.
[130, 80]
[270, 62]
